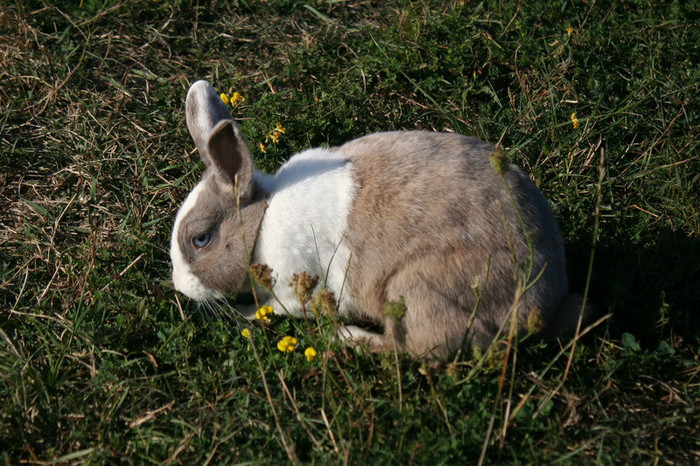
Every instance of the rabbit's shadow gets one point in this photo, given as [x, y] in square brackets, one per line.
[651, 285]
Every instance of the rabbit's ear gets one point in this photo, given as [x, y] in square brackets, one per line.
[218, 139]
[231, 157]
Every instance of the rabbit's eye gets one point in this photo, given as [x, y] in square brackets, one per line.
[201, 241]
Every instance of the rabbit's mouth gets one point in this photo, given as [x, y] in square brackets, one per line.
[191, 286]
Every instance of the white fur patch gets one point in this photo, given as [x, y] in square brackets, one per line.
[183, 278]
[208, 112]
[305, 222]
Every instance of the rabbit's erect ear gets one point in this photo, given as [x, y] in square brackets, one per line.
[231, 157]
[218, 138]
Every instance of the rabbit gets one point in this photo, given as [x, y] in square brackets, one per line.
[417, 216]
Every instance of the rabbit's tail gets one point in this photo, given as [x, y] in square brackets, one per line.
[565, 320]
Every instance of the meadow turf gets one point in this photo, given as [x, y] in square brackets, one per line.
[102, 362]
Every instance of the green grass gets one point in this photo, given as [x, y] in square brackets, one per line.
[101, 361]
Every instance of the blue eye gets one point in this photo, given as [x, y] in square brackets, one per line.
[201, 241]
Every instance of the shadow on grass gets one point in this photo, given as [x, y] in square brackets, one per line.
[651, 285]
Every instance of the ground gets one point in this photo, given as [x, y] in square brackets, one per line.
[101, 361]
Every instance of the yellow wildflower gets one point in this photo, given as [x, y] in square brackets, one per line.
[310, 353]
[237, 98]
[574, 120]
[273, 137]
[569, 31]
[263, 312]
[246, 333]
[262, 147]
[287, 344]
[224, 98]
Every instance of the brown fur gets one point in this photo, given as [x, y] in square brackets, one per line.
[432, 218]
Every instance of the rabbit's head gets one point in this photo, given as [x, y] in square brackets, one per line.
[216, 227]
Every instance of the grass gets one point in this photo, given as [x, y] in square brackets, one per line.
[101, 361]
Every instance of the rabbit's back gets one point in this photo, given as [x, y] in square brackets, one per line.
[432, 219]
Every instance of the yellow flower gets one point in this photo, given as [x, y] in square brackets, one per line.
[263, 312]
[287, 344]
[273, 138]
[237, 98]
[246, 333]
[224, 98]
[569, 31]
[262, 147]
[310, 353]
[574, 120]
